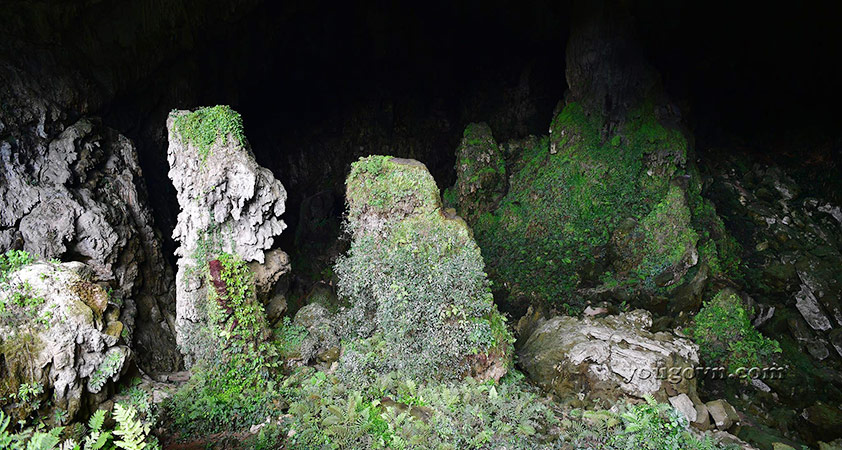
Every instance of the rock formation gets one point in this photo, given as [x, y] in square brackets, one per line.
[608, 206]
[414, 278]
[60, 333]
[72, 189]
[229, 204]
[608, 358]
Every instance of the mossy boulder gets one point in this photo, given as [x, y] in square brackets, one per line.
[416, 278]
[480, 172]
[588, 211]
[59, 338]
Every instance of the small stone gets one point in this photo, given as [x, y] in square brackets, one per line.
[702, 421]
[723, 414]
[114, 329]
[809, 308]
[685, 406]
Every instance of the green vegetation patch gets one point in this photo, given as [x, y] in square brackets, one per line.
[414, 275]
[726, 337]
[234, 386]
[570, 191]
[204, 126]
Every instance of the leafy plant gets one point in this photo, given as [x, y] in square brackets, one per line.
[203, 127]
[725, 335]
[13, 260]
[109, 366]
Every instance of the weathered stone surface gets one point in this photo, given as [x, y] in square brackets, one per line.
[609, 358]
[724, 415]
[825, 418]
[74, 190]
[809, 308]
[702, 421]
[685, 406]
[229, 204]
[54, 339]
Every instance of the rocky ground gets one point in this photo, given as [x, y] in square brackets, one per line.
[597, 286]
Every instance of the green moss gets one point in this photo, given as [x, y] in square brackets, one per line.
[203, 127]
[726, 337]
[383, 185]
[568, 194]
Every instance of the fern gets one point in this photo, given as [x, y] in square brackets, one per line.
[44, 441]
[97, 439]
[132, 432]
[5, 437]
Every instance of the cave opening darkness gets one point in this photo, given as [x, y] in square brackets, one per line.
[319, 85]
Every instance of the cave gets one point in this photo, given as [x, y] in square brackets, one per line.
[732, 109]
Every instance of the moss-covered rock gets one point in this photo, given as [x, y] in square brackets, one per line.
[480, 172]
[59, 348]
[585, 209]
[726, 337]
[416, 277]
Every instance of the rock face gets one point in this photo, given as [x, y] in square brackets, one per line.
[415, 279]
[607, 358]
[73, 190]
[228, 204]
[792, 255]
[61, 331]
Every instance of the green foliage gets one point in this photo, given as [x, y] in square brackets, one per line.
[648, 426]
[725, 335]
[133, 434]
[570, 191]
[131, 431]
[394, 412]
[235, 386]
[418, 277]
[203, 127]
[109, 366]
[289, 338]
[13, 260]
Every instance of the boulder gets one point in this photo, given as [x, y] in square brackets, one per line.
[322, 342]
[685, 406]
[74, 191]
[229, 205]
[415, 278]
[480, 172]
[702, 421]
[58, 332]
[609, 358]
[724, 415]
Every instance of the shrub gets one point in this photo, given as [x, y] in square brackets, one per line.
[415, 276]
[393, 411]
[726, 337]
